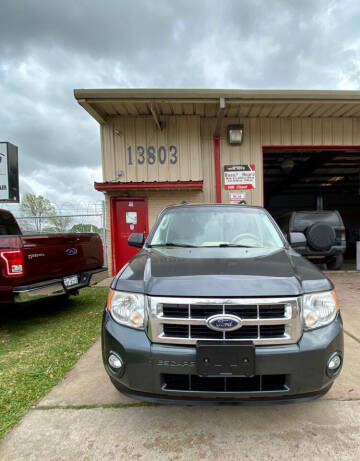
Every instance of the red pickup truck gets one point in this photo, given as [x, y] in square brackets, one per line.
[33, 267]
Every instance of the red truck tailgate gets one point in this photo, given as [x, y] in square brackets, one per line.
[51, 256]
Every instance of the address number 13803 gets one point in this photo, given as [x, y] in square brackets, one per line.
[151, 155]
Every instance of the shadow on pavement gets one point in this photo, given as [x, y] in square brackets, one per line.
[13, 313]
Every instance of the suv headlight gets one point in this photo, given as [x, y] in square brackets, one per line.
[127, 308]
[319, 309]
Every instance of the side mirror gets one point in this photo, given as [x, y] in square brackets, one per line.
[136, 239]
[297, 239]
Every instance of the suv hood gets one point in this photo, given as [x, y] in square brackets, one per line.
[220, 272]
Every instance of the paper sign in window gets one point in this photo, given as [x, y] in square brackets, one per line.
[131, 217]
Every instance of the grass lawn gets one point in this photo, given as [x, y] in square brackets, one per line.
[39, 343]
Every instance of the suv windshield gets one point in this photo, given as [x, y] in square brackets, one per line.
[216, 227]
[303, 220]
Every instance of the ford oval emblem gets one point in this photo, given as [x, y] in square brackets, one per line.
[71, 251]
[224, 322]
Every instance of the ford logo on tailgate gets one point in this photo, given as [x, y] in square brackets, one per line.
[224, 322]
[71, 251]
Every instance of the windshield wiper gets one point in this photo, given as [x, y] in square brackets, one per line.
[171, 244]
[222, 245]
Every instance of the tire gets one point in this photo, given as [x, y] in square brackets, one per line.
[320, 236]
[336, 263]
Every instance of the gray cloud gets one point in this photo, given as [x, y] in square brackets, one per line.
[49, 48]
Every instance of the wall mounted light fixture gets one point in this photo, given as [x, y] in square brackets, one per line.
[235, 134]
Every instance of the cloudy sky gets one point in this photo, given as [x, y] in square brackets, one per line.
[48, 48]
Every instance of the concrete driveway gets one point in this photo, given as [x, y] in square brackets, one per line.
[85, 418]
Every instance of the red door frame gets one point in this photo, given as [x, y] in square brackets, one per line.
[113, 201]
[316, 147]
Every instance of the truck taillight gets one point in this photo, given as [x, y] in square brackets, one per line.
[14, 262]
[343, 236]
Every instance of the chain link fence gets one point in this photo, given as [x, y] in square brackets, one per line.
[66, 218]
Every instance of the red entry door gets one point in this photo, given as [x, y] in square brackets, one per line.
[128, 215]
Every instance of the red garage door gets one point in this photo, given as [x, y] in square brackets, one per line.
[128, 215]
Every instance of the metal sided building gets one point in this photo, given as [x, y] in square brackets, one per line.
[285, 150]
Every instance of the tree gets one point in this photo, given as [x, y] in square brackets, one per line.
[59, 223]
[85, 228]
[37, 207]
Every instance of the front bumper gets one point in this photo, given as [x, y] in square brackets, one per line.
[329, 254]
[146, 364]
[56, 287]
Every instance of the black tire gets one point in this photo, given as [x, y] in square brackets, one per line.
[320, 236]
[336, 263]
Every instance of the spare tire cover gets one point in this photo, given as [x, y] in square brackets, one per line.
[320, 236]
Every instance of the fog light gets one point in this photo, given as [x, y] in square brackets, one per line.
[334, 364]
[115, 362]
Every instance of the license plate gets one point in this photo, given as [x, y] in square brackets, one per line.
[70, 281]
[225, 359]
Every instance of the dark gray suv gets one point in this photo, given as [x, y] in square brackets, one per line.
[217, 307]
[324, 232]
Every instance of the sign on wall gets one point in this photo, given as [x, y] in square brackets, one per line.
[151, 155]
[9, 174]
[237, 177]
[237, 197]
[135, 150]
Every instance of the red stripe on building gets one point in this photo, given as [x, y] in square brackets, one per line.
[149, 185]
[217, 168]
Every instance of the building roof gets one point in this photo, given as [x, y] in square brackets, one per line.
[103, 104]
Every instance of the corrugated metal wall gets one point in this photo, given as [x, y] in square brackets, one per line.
[274, 132]
[137, 147]
[193, 138]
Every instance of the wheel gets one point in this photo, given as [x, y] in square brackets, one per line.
[320, 236]
[336, 263]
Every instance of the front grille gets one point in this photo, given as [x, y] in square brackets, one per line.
[272, 331]
[203, 332]
[179, 331]
[272, 311]
[258, 383]
[246, 332]
[263, 320]
[205, 311]
[199, 312]
[175, 310]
